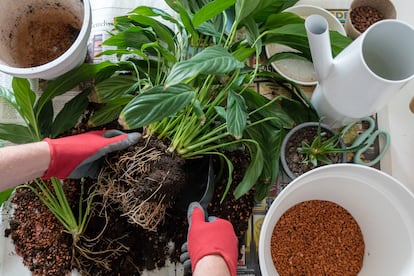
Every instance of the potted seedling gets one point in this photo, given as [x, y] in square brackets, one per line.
[310, 145]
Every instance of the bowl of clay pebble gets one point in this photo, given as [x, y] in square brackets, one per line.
[339, 219]
[364, 13]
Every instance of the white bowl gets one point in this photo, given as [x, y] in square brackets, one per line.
[301, 71]
[381, 205]
[73, 57]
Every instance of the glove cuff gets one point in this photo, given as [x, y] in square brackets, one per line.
[229, 257]
[61, 164]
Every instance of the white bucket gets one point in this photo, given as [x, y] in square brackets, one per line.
[12, 11]
[382, 207]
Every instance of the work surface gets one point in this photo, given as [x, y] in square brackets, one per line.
[397, 118]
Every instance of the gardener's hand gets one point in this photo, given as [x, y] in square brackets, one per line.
[78, 156]
[212, 237]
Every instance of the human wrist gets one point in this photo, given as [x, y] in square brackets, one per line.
[212, 265]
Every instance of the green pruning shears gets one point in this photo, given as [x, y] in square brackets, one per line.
[368, 138]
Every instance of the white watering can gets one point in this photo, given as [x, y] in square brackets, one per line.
[364, 77]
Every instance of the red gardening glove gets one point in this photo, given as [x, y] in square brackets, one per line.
[78, 155]
[213, 237]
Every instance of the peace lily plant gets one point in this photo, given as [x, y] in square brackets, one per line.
[187, 78]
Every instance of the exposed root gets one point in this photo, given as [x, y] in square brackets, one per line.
[136, 183]
[83, 252]
[147, 214]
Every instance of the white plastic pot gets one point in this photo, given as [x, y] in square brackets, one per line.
[382, 207]
[12, 11]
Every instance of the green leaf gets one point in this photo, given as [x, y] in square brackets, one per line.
[338, 42]
[70, 113]
[109, 112]
[292, 35]
[297, 111]
[16, 134]
[4, 195]
[151, 11]
[211, 10]
[133, 37]
[186, 21]
[270, 141]
[25, 99]
[253, 171]
[163, 52]
[120, 52]
[244, 8]
[252, 33]
[68, 81]
[264, 108]
[213, 60]
[221, 111]
[8, 95]
[163, 32]
[114, 87]
[267, 8]
[236, 115]
[286, 55]
[45, 119]
[155, 104]
[278, 20]
[243, 52]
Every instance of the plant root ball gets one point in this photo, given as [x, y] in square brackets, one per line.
[143, 182]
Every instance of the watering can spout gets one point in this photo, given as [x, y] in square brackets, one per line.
[317, 30]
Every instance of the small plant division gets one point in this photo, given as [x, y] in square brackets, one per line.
[58, 204]
[321, 147]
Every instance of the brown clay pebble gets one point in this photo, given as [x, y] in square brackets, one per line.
[317, 237]
[364, 16]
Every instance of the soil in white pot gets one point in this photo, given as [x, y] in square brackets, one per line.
[43, 35]
[294, 161]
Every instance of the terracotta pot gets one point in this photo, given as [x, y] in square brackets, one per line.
[284, 149]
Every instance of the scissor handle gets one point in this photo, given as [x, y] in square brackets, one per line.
[370, 138]
[363, 136]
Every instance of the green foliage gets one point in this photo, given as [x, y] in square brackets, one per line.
[189, 81]
[185, 78]
[57, 202]
[320, 148]
[38, 113]
[4, 195]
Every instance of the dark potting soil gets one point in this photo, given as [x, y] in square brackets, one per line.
[294, 159]
[124, 248]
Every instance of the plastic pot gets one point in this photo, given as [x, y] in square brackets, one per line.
[380, 204]
[292, 132]
[11, 15]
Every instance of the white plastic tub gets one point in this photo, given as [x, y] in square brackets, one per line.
[382, 207]
[11, 11]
